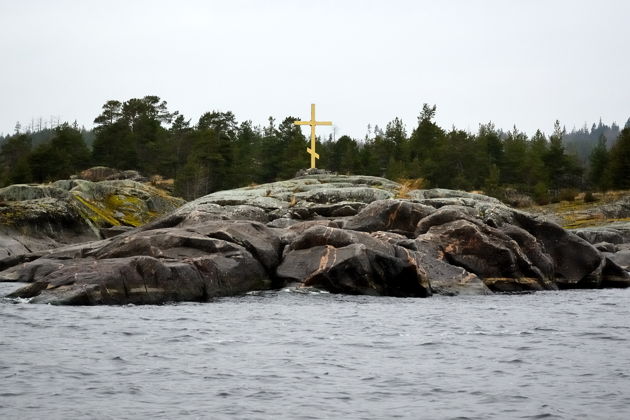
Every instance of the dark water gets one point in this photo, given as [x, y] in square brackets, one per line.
[299, 356]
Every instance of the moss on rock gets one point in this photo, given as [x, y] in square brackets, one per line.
[69, 211]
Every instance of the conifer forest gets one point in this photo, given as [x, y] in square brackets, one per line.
[218, 152]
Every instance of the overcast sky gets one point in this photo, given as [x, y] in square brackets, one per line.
[523, 63]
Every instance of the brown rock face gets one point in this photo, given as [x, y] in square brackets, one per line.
[142, 279]
[354, 269]
[232, 242]
[576, 262]
[390, 215]
[490, 254]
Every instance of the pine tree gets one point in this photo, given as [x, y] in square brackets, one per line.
[14, 155]
[514, 162]
[620, 160]
[64, 155]
[555, 161]
[293, 148]
[598, 174]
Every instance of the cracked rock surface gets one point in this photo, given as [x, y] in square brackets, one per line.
[343, 234]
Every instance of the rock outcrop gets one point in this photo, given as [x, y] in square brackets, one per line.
[40, 217]
[612, 240]
[343, 234]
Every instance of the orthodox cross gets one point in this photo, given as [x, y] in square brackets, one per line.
[312, 123]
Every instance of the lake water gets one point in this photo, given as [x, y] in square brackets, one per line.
[289, 355]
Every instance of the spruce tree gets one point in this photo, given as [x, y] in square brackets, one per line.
[599, 174]
[620, 161]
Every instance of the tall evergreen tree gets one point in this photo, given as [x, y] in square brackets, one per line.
[112, 144]
[293, 145]
[599, 174]
[131, 135]
[620, 160]
[14, 155]
[555, 160]
[422, 144]
[514, 163]
[64, 155]
[536, 171]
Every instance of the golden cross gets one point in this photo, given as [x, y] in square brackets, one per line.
[312, 123]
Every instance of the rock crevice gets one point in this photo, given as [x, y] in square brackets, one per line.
[342, 234]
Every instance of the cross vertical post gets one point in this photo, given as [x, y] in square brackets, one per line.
[313, 122]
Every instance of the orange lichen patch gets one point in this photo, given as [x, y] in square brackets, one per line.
[392, 217]
[412, 260]
[451, 249]
[326, 258]
[498, 283]
[468, 278]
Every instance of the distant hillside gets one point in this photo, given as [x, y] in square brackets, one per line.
[46, 134]
[581, 142]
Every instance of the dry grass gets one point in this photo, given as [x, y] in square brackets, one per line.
[163, 187]
[580, 212]
[293, 201]
[407, 185]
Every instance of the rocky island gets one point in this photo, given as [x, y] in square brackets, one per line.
[339, 233]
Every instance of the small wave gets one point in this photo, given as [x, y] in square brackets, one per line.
[601, 336]
[517, 397]
[12, 315]
[305, 290]
[542, 416]
[513, 361]
[11, 394]
[545, 329]
[14, 300]
[610, 337]
[431, 343]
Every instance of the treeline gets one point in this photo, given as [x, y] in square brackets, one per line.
[217, 152]
[581, 142]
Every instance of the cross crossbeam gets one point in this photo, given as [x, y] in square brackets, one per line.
[313, 123]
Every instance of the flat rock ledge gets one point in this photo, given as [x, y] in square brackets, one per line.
[342, 234]
[40, 217]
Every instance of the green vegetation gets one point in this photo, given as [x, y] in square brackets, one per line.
[584, 210]
[219, 153]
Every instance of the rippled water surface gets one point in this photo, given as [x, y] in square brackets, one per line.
[306, 356]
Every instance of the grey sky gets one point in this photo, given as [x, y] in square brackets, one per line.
[362, 62]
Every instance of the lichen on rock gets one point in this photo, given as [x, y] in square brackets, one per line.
[343, 234]
[37, 217]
